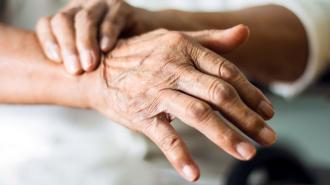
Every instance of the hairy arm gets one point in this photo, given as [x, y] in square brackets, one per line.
[277, 49]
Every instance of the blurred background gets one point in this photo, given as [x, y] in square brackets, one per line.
[46, 145]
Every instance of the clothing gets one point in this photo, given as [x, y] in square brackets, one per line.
[314, 15]
[54, 145]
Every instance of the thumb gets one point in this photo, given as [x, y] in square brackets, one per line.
[222, 41]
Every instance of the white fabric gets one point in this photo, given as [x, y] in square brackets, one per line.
[53, 145]
[315, 15]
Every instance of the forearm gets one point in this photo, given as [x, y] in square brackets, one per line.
[27, 77]
[277, 49]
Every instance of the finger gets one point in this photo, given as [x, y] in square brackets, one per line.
[249, 93]
[112, 25]
[63, 29]
[200, 116]
[225, 98]
[222, 41]
[213, 64]
[86, 24]
[47, 39]
[167, 139]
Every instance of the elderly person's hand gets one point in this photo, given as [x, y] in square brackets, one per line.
[77, 34]
[147, 81]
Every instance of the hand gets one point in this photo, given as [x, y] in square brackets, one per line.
[72, 35]
[147, 81]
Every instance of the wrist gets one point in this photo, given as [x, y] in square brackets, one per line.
[168, 19]
[88, 91]
[142, 22]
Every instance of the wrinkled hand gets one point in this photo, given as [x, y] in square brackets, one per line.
[149, 80]
[77, 34]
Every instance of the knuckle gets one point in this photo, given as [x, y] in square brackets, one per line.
[175, 37]
[169, 143]
[258, 91]
[42, 24]
[198, 111]
[195, 53]
[229, 71]
[228, 137]
[184, 69]
[84, 15]
[43, 21]
[161, 30]
[59, 18]
[106, 25]
[253, 123]
[222, 93]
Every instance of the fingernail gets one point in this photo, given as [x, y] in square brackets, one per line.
[87, 60]
[72, 64]
[267, 135]
[189, 172]
[106, 43]
[266, 110]
[246, 150]
[53, 51]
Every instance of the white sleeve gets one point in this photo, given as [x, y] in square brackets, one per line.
[315, 16]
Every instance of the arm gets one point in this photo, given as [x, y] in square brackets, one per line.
[143, 85]
[277, 49]
[27, 77]
[277, 36]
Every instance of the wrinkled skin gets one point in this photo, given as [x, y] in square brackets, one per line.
[151, 79]
[78, 33]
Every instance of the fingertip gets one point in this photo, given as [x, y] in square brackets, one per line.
[88, 60]
[72, 64]
[53, 52]
[246, 151]
[106, 44]
[268, 136]
[265, 110]
[227, 40]
[191, 172]
[238, 34]
[243, 29]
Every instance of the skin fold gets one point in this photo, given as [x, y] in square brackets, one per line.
[147, 78]
[144, 88]
[277, 49]
[78, 33]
